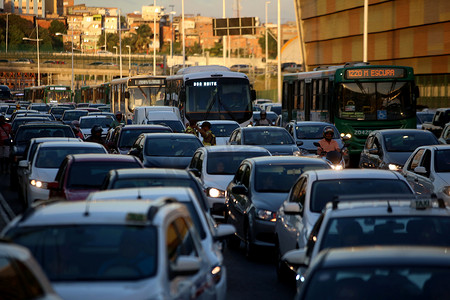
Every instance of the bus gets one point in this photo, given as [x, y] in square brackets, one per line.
[99, 93]
[211, 93]
[48, 94]
[142, 90]
[358, 99]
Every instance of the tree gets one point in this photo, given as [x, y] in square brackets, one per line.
[56, 26]
[272, 45]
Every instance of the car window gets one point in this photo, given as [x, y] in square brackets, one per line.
[262, 136]
[179, 240]
[223, 130]
[86, 123]
[239, 174]
[9, 273]
[51, 158]
[246, 176]
[128, 136]
[24, 134]
[415, 160]
[408, 142]
[226, 163]
[426, 162]
[172, 146]
[442, 161]
[369, 142]
[314, 131]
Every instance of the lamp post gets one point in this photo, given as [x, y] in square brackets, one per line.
[38, 65]
[115, 47]
[7, 27]
[224, 40]
[104, 28]
[120, 46]
[154, 37]
[171, 24]
[279, 52]
[267, 51]
[129, 60]
[71, 83]
[184, 44]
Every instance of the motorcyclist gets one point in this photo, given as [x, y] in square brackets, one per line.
[327, 144]
[75, 125]
[96, 135]
[118, 121]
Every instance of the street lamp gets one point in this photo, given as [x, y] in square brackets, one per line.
[71, 83]
[7, 25]
[129, 60]
[279, 52]
[267, 50]
[184, 44]
[115, 47]
[104, 28]
[171, 24]
[38, 65]
[154, 37]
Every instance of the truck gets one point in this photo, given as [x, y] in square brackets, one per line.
[441, 117]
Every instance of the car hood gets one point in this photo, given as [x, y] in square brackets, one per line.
[398, 158]
[281, 149]
[78, 194]
[166, 162]
[46, 175]
[218, 181]
[269, 201]
[144, 289]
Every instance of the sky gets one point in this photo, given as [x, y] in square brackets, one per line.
[207, 8]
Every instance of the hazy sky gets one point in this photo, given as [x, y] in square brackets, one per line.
[209, 8]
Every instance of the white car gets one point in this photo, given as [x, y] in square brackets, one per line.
[45, 164]
[118, 251]
[428, 171]
[208, 231]
[216, 167]
[221, 129]
[87, 122]
[314, 189]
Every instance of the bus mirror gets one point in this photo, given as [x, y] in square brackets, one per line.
[253, 95]
[127, 94]
[416, 91]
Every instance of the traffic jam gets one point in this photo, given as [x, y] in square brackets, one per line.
[107, 201]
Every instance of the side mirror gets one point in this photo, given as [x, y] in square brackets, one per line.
[127, 94]
[374, 151]
[196, 172]
[239, 190]
[291, 208]
[23, 164]
[134, 152]
[299, 143]
[295, 257]
[316, 144]
[53, 186]
[447, 141]
[223, 231]
[420, 170]
[185, 266]
[253, 95]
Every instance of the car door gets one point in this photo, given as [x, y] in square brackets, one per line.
[235, 201]
[364, 158]
[410, 174]
[375, 153]
[445, 136]
[425, 179]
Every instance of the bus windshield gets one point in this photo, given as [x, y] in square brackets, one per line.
[371, 101]
[146, 96]
[218, 98]
[58, 96]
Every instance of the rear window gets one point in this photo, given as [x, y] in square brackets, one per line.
[267, 137]
[51, 158]
[408, 142]
[90, 122]
[176, 126]
[73, 115]
[223, 130]
[442, 161]
[25, 134]
[129, 136]
[173, 147]
[227, 163]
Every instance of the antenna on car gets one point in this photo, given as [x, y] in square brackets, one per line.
[86, 211]
[139, 196]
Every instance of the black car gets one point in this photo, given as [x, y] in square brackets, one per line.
[121, 139]
[131, 178]
[18, 121]
[73, 114]
[58, 111]
[23, 136]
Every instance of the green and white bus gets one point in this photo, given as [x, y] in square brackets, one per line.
[50, 94]
[357, 98]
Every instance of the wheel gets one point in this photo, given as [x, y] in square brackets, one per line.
[249, 246]
[283, 272]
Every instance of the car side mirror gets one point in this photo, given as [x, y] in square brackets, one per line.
[292, 208]
[23, 164]
[374, 151]
[239, 190]
[185, 266]
[223, 231]
[196, 172]
[295, 257]
[420, 170]
[299, 143]
[316, 144]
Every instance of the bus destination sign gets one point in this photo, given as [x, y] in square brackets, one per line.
[145, 82]
[373, 73]
[59, 88]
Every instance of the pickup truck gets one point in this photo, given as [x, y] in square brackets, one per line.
[441, 117]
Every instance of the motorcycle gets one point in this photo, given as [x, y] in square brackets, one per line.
[334, 158]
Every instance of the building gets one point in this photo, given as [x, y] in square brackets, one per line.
[149, 13]
[44, 8]
[412, 33]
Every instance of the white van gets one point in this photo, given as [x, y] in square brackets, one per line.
[164, 115]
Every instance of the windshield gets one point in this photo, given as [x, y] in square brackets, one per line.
[176, 126]
[218, 99]
[57, 97]
[223, 130]
[408, 142]
[325, 191]
[58, 110]
[86, 123]
[51, 158]
[146, 96]
[442, 161]
[280, 178]
[313, 132]
[261, 136]
[379, 282]
[90, 175]
[371, 101]
[92, 252]
[128, 137]
[227, 163]
[25, 134]
[74, 115]
[424, 118]
[387, 231]
[41, 108]
[271, 116]
[174, 147]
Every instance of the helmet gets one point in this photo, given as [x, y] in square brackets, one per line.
[206, 123]
[328, 129]
[96, 129]
[119, 113]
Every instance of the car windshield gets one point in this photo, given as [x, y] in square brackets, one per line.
[42, 108]
[58, 111]
[271, 116]
[263, 136]
[25, 134]
[20, 121]
[176, 126]
[325, 191]
[424, 118]
[313, 132]
[442, 161]
[273, 178]
[173, 147]
[90, 175]
[88, 123]
[388, 231]
[92, 252]
[128, 136]
[51, 158]
[74, 115]
[223, 130]
[408, 142]
[226, 163]
[379, 282]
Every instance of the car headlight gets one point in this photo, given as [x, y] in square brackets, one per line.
[266, 215]
[395, 167]
[215, 193]
[216, 273]
[38, 184]
[446, 191]
[337, 167]
[348, 135]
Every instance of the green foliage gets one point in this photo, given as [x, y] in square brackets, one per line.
[272, 45]
[216, 50]
[196, 49]
[56, 26]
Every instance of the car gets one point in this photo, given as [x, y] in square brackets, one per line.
[96, 63]
[40, 107]
[275, 139]
[96, 105]
[221, 129]
[165, 150]
[390, 148]
[22, 138]
[129, 250]
[18, 121]
[104, 52]
[293, 68]
[24, 61]
[121, 139]
[105, 108]
[270, 115]
[58, 111]
[154, 177]
[314, 189]
[382, 221]
[240, 68]
[424, 117]
[253, 197]
[428, 171]
[216, 166]
[45, 164]
[73, 114]
[26, 279]
[9, 111]
[445, 135]
[34, 114]
[275, 107]
[440, 118]
[21, 111]
[287, 65]
[87, 122]
[210, 233]
[80, 174]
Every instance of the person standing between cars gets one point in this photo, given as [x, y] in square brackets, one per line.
[327, 144]
[190, 128]
[75, 125]
[263, 121]
[5, 140]
[96, 135]
[118, 121]
[209, 139]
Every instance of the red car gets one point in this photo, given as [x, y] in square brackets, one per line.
[81, 174]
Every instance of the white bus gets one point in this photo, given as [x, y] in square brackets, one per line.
[211, 93]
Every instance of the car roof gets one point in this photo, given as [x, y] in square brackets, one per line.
[151, 172]
[402, 131]
[182, 194]
[257, 128]
[313, 123]
[235, 148]
[157, 135]
[51, 125]
[102, 157]
[95, 117]
[231, 122]
[144, 126]
[354, 174]
[73, 144]
[262, 160]
[435, 147]
[53, 139]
